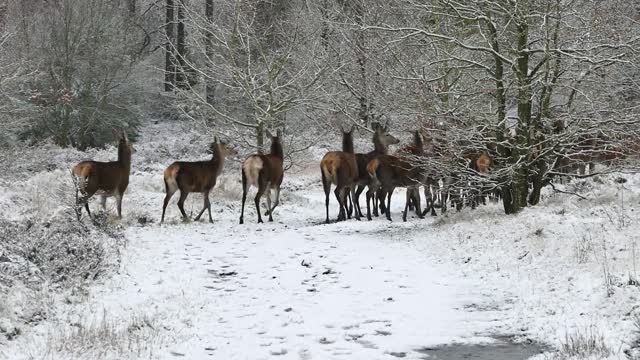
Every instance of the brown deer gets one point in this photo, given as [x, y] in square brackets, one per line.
[195, 176]
[381, 141]
[266, 173]
[388, 172]
[340, 168]
[104, 178]
[411, 152]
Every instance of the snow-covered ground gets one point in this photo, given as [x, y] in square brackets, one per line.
[299, 289]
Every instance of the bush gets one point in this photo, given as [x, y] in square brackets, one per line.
[583, 345]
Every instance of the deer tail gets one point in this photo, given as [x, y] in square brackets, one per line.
[329, 169]
[80, 174]
[171, 178]
[251, 169]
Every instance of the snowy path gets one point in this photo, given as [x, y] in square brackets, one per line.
[301, 291]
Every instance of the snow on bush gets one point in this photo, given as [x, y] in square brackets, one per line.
[41, 258]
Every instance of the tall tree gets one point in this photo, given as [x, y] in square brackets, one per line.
[210, 86]
[170, 58]
[181, 47]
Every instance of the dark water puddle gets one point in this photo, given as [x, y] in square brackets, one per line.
[501, 350]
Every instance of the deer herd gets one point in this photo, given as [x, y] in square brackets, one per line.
[377, 171]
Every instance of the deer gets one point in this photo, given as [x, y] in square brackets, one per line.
[195, 176]
[103, 178]
[410, 152]
[390, 171]
[266, 173]
[341, 169]
[381, 141]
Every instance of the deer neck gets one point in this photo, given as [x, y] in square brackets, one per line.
[276, 150]
[347, 145]
[217, 161]
[378, 146]
[124, 158]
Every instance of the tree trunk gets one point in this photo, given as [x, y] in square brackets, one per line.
[169, 62]
[260, 137]
[210, 87]
[324, 33]
[361, 59]
[538, 182]
[132, 7]
[181, 76]
[519, 184]
[504, 151]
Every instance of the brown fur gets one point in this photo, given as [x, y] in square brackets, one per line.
[484, 163]
[381, 140]
[195, 176]
[265, 172]
[104, 178]
[398, 171]
[388, 172]
[341, 169]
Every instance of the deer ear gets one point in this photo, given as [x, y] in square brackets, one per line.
[124, 136]
[269, 133]
[215, 139]
[353, 127]
[279, 133]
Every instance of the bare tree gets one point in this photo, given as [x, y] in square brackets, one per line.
[170, 58]
[264, 69]
[523, 65]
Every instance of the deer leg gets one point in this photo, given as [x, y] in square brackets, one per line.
[85, 199]
[411, 198]
[244, 196]
[417, 202]
[380, 195]
[208, 207]
[86, 206]
[353, 196]
[326, 185]
[359, 191]
[261, 189]
[432, 196]
[374, 200]
[269, 205]
[167, 197]
[205, 197]
[388, 206]
[183, 197]
[118, 197]
[277, 200]
[103, 202]
[78, 207]
[368, 196]
[407, 203]
[348, 200]
[342, 214]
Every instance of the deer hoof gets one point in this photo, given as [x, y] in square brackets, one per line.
[241, 221]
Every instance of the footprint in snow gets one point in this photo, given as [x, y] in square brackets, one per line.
[325, 341]
[278, 352]
[367, 344]
[398, 354]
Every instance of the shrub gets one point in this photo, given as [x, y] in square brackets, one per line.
[583, 344]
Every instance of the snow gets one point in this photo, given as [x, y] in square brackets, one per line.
[300, 289]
